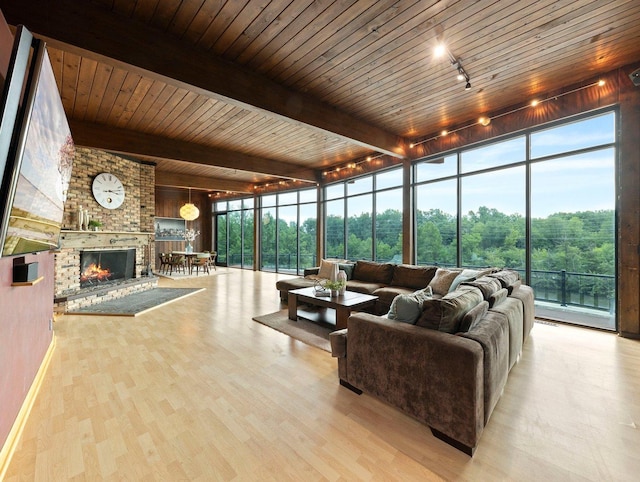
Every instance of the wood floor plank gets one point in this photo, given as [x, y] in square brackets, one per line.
[196, 390]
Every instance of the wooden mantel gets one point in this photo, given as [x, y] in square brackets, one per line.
[101, 239]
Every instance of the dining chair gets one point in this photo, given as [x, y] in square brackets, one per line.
[212, 259]
[177, 262]
[164, 262]
[201, 261]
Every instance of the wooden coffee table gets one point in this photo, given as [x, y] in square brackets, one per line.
[343, 304]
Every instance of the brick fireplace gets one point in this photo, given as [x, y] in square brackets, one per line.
[128, 228]
[78, 284]
[102, 267]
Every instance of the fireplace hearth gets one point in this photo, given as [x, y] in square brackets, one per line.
[99, 267]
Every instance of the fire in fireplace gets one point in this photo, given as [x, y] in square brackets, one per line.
[106, 266]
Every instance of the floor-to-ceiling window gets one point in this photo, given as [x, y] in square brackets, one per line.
[288, 231]
[573, 234]
[541, 202]
[233, 235]
[364, 217]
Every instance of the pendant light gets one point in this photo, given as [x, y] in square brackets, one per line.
[189, 211]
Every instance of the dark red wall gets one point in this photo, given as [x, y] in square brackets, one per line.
[25, 312]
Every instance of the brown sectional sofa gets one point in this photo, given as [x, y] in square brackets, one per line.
[384, 280]
[447, 368]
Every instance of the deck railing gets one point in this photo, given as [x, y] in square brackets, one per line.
[586, 290]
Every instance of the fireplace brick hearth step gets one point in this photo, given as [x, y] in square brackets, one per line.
[98, 294]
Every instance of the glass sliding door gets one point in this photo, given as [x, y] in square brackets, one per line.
[573, 236]
[221, 239]
[247, 233]
[308, 235]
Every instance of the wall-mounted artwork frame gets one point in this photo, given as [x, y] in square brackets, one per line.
[170, 229]
[39, 165]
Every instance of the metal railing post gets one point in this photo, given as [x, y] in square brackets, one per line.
[563, 288]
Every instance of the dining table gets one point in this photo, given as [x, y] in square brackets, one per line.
[189, 255]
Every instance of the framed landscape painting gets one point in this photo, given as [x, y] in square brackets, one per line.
[170, 229]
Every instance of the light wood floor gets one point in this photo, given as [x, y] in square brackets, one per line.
[196, 390]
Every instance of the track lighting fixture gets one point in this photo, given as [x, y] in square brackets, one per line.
[457, 64]
[486, 120]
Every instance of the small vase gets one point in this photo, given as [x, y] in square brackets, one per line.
[334, 293]
[334, 273]
[342, 276]
[80, 218]
[189, 248]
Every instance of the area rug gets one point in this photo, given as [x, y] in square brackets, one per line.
[314, 334]
[137, 303]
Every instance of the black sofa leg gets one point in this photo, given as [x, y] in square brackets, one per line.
[453, 442]
[355, 390]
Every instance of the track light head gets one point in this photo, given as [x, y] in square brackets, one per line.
[468, 86]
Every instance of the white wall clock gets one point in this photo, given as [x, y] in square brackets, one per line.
[108, 190]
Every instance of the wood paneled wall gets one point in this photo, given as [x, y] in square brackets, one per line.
[168, 204]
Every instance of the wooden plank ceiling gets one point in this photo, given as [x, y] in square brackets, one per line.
[226, 94]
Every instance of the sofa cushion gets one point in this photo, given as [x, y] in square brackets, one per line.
[507, 277]
[442, 280]
[407, 308]
[497, 297]
[486, 284]
[347, 268]
[466, 275]
[446, 313]
[410, 276]
[326, 269]
[373, 272]
[473, 316]
[363, 286]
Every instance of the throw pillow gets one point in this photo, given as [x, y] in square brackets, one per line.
[326, 269]
[446, 313]
[465, 275]
[473, 316]
[486, 284]
[407, 308]
[442, 280]
[347, 268]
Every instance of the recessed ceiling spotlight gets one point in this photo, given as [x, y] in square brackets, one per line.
[534, 103]
[601, 83]
[440, 50]
[444, 132]
[485, 121]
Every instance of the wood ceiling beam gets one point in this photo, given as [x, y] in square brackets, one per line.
[97, 33]
[133, 143]
[172, 179]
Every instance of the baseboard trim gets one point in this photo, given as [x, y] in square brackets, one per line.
[13, 438]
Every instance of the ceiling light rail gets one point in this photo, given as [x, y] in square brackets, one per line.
[456, 62]
[351, 165]
[486, 120]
